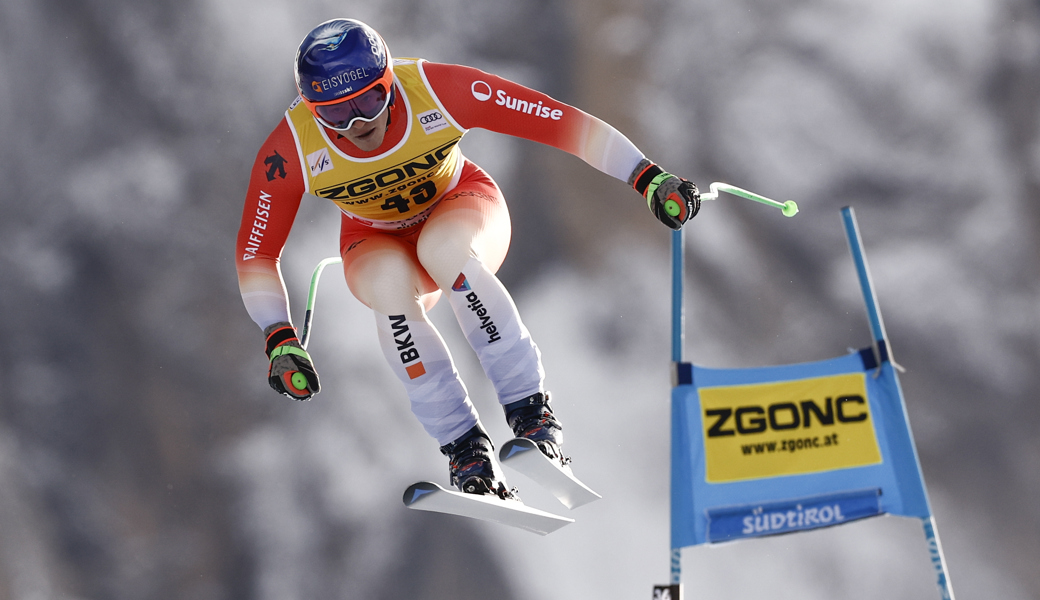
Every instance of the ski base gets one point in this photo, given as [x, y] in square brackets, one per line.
[429, 496]
[523, 455]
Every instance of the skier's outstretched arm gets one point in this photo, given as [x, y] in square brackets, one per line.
[474, 98]
[276, 186]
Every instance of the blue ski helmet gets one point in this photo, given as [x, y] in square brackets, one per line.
[341, 59]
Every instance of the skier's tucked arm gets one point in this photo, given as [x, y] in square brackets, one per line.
[474, 98]
[276, 187]
[478, 99]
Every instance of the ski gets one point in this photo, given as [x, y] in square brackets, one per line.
[523, 455]
[429, 496]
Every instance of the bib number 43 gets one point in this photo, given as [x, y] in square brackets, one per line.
[420, 194]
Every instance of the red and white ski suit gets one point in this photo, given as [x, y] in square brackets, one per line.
[390, 195]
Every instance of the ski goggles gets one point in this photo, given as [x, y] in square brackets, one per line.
[364, 106]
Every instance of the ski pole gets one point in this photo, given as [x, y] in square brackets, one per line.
[295, 378]
[789, 208]
[308, 316]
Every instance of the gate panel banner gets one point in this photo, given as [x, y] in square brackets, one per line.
[771, 450]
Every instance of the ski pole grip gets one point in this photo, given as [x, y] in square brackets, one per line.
[295, 382]
[298, 380]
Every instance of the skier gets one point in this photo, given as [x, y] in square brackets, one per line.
[379, 137]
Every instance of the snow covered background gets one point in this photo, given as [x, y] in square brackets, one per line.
[142, 455]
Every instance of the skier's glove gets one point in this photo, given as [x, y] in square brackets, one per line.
[291, 371]
[673, 200]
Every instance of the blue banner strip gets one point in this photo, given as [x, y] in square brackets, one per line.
[774, 518]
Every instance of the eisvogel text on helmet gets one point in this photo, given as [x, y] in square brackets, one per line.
[342, 79]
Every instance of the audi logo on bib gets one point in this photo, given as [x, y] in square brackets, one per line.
[432, 120]
[430, 117]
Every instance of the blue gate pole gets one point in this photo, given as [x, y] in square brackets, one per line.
[877, 326]
[883, 354]
[677, 297]
[677, 355]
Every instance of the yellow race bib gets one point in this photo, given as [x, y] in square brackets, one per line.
[397, 187]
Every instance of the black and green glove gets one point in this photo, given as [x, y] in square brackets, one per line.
[291, 371]
[673, 200]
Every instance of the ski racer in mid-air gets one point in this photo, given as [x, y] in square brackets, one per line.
[379, 137]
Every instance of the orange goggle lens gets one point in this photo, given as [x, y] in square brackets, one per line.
[364, 107]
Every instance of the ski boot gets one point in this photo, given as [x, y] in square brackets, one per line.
[533, 418]
[471, 467]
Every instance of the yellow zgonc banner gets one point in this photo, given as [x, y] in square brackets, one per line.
[787, 428]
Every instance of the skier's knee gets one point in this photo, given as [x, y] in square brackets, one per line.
[443, 258]
[388, 283]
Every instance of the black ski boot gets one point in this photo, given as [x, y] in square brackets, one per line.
[471, 467]
[533, 418]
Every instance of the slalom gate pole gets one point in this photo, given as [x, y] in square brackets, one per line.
[789, 209]
[931, 535]
[678, 316]
[883, 353]
[305, 331]
[866, 284]
[678, 338]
